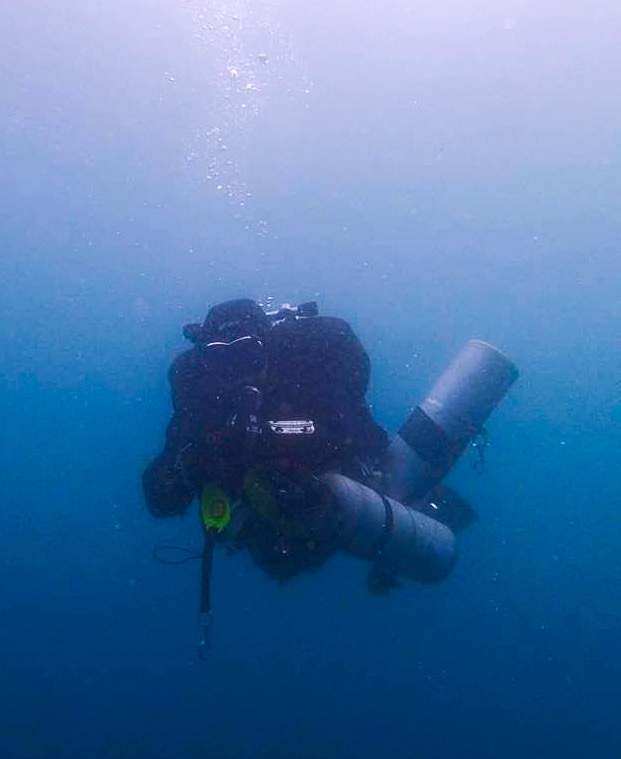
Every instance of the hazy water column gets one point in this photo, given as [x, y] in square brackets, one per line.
[253, 66]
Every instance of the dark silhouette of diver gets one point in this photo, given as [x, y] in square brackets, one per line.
[272, 434]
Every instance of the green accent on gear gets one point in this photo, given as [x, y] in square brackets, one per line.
[215, 508]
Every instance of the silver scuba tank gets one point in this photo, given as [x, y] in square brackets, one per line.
[392, 536]
[439, 429]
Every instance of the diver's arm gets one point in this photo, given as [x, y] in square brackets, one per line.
[171, 480]
[166, 492]
[371, 438]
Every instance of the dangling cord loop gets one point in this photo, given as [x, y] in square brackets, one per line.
[183, 556]
[480, 443]
[159, 555]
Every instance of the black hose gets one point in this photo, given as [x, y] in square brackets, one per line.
[204, 611]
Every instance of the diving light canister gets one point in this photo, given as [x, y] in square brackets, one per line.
[440, 428]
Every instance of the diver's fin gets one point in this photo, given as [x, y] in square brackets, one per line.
[447, 506]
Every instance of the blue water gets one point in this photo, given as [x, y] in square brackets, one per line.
[431, 172]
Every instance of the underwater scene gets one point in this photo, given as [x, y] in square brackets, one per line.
[310, 379]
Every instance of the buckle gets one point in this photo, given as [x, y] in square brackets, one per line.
[293, 427]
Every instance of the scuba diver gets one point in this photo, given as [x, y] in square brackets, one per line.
[272, 434]
[263, 404]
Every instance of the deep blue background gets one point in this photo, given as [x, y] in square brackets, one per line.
[429, 173]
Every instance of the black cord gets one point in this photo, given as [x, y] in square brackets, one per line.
[204, 609]
[380, 543]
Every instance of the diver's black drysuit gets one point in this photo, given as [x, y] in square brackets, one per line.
[316, 370]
